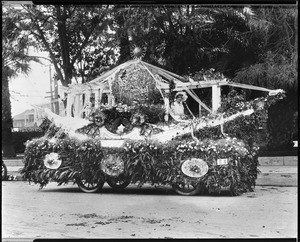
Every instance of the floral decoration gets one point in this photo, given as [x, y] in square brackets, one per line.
[155, 162]
[112, 165]
[52, 161]
[135, 83]
[194, 167]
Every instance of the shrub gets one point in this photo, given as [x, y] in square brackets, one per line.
[19, 139]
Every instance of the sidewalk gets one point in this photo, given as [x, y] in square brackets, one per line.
[13, 166]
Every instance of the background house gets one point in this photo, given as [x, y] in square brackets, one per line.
[24, 121]
[31, 119]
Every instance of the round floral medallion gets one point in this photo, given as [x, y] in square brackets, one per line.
[52, 161]
[112, 165]
[194, 167]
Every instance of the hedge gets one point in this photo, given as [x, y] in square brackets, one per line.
[20, 138]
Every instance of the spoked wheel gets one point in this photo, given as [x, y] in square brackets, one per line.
[186, 189]
[4, 172]
[119, 182]
[90, 187]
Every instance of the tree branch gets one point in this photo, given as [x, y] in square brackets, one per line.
[94, 25]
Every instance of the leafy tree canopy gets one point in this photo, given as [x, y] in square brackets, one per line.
[275, 29]
[77, 38]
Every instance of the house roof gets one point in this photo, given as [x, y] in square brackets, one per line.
[22, 115]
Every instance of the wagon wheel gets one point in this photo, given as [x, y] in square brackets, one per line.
[90, 187]
[119, 182]
[3, 172]
[187, 189]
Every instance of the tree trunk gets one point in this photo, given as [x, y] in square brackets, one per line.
[124, 39]
[124, 49]
[64, 44]
[7, 124]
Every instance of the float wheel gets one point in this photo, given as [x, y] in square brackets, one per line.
[119, 182]
[187, 189]
[3, 172]
[90, 187]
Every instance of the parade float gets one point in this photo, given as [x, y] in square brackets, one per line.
[119, 129]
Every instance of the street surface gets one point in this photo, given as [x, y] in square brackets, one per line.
[66, 212]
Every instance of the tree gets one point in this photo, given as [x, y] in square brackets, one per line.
[276, 28]
[76, 38]
[188, 38]
[15, 60]
[256, 45]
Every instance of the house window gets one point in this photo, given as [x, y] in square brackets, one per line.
[104, 99]
[31, 118]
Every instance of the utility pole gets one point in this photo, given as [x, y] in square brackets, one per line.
[53, 91]
[54, 100]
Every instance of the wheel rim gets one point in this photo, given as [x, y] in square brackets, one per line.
[3, 172]
[119, 182]
[90, 187]
[186, 189]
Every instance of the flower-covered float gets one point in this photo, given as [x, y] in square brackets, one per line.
[119, 129]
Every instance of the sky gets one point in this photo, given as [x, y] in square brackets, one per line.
[30, 89]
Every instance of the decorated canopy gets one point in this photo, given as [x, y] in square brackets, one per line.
[134, 79]
[138, 81]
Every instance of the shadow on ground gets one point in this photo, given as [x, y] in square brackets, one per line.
[147, 190]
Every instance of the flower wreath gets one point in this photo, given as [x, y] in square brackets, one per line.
[98, 118]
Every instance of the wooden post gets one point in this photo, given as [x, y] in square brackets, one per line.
[70, 101]
[199, 110]
[100, 95]
[216, 97]
[76, 105]
[110, 99]
[97, 96]
[167, 107]
[87, 98]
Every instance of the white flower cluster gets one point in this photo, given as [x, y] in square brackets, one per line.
[52, 161]
[219, 146]
[139, 147]
[51, 157]
[189, 147]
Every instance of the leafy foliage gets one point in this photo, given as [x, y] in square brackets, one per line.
[281, 130]
[20, 138]
[275, 30]
[135, 85]
[15, 60]
[187, 38]
[145, 162]
[242, 127]
[78, 158]
[76, 38]
[274, 72]
[160, 163]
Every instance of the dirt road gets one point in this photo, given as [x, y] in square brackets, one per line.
[65, 212]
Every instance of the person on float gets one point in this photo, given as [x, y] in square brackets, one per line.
[177, 107]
